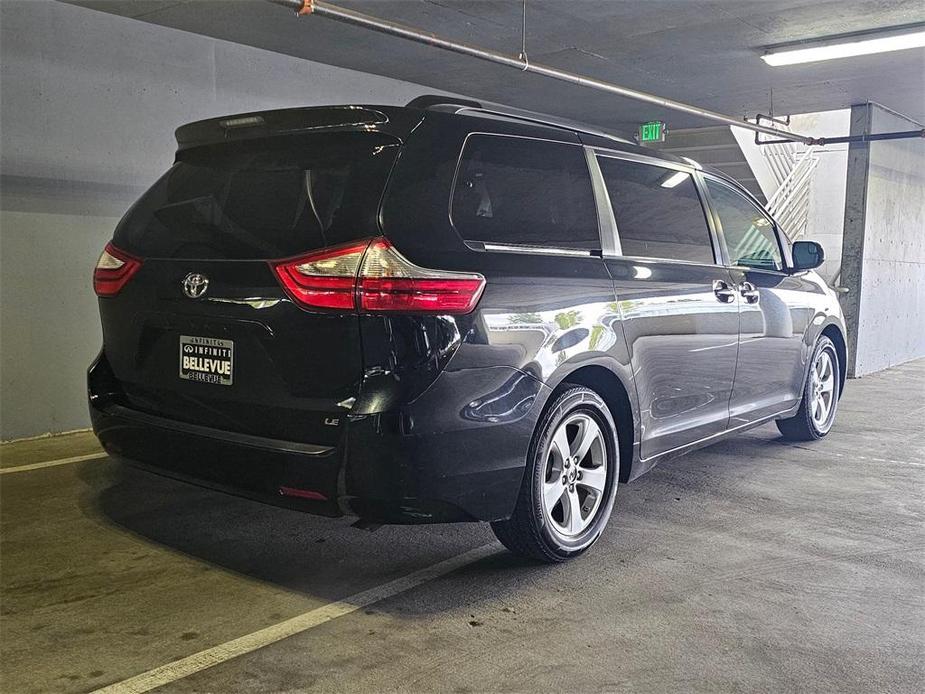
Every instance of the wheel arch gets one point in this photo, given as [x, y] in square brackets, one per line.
[615, 394]
[834, 333]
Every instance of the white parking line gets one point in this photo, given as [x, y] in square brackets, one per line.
[177, 670]
[889, 460]
[52, 463]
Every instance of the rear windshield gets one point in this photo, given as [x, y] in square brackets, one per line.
[268, 198]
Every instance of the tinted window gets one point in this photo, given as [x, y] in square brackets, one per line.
[748, 232]
[658, 211]
[267, 198]
[528, 192]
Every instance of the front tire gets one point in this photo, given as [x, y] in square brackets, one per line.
[570, 482]
[817, 410]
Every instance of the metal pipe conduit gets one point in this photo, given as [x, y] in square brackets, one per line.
[323, 9]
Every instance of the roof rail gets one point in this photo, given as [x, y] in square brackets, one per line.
[427, 101]
[434, 102]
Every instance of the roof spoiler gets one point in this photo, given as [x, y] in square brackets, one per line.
[393, 121]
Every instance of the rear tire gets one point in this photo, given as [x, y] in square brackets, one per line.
[570, 481]
[821, 391]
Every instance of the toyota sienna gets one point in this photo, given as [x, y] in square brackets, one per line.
[449, 312]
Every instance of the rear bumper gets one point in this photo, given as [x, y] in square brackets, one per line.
[244, 465]
[434, 461]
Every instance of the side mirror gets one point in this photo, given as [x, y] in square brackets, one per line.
[807, 255]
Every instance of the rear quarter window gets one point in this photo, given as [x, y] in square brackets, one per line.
[522, 191]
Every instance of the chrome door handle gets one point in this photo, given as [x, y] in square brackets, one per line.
[723, 291]
[749, 292]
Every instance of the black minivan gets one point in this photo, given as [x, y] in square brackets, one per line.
[449, 312]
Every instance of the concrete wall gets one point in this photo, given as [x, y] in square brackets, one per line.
[891, 311]
[827, 194]
[757, 162]
[89, 105]
[825, 222]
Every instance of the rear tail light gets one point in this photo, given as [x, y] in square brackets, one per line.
[323, 280]
[390, 282]
[114, 268]
[372, 276]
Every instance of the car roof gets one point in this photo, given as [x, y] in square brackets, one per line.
[588, 134]
[400, 121]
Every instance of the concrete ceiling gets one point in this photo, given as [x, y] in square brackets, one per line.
[699, 51]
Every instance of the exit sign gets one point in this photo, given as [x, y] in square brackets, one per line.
[653, 131]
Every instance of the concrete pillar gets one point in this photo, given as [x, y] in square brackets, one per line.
[852, 250]
[883, 251]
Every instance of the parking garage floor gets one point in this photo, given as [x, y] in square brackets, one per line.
[751, 565]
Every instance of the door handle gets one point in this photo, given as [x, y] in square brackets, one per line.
[724, 292]
[749, 292]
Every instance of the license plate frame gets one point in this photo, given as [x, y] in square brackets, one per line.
[207, 360]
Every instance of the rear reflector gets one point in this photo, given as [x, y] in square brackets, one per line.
[114, 268]
[302, 493]
[372, 276]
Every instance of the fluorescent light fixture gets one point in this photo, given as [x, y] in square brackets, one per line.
[845, 48]
[674, 179]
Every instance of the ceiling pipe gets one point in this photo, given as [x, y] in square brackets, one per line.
[864, 137]
[323, 9]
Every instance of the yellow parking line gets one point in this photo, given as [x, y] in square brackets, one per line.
[52, 463]
[177, 670]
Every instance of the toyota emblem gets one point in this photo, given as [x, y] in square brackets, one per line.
[195, 285]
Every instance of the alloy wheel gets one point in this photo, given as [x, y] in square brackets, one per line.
[822, 402]
[576, 475]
